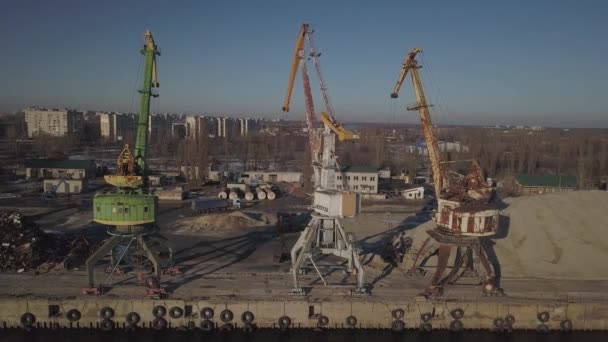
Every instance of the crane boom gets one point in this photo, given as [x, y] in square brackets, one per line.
[130, 179]
[150, 51]
[298, 54]
[321, 139]
[411, 65]
[131, 167]
[406, 66]
[315, 60]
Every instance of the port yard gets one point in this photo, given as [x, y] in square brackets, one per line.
[233, 268]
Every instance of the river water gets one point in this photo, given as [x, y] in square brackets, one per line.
[295, 336]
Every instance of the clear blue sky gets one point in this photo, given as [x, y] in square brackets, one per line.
[485, 62]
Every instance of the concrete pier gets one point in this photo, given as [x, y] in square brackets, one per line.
[335, 314]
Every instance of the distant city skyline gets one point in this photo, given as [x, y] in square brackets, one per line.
[535, 63]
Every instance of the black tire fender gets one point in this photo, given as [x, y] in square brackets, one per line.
[457, 313]
[284, 322]
[351, 321]
[106, 325]
[176, 312]
[543, 316]
[398, 313]
[247, 317]
[159, 311]
[426, 327]
[226, 327]
[226, 316]
[159, 324]
[499, 322]
[397, 325]
[207, 313]
[207, 325]
[106, 313]
[566, 325]
[456, 325]
[133, 318]
[248, 328]
[73, 315]
[542, 328]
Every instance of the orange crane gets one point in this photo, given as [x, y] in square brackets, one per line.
[323, 235]
[321, 139]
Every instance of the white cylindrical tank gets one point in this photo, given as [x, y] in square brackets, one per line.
[224, 193]
[261, 194]
[270, 194]
[249, 196]
[234, 194]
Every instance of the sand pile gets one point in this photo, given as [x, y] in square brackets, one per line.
[221, 222]
[559, 235]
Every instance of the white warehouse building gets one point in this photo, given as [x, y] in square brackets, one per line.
[363, 179]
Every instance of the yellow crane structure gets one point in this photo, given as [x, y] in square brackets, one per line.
[321, 140]
[323, 235]
[411, 65]
[465, 217]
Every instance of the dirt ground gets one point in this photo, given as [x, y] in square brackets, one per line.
[556, 236]
[220, 223]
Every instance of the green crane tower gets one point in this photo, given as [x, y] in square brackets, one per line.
[129, 210]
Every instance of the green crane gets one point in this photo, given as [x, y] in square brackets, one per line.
[129, 209]
[130, 204]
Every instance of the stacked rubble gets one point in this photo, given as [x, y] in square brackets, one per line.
[24, 246]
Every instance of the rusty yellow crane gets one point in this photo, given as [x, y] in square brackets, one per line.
[411, 65]
[465, 217]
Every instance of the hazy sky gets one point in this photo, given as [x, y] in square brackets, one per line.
[485, 62]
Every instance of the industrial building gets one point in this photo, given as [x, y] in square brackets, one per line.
[413, 193]
[541, 184]
[54, 122]
[64, 186]
[252, 177]
[363, 179]
[60, 169]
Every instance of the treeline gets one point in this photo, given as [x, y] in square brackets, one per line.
[581, 152]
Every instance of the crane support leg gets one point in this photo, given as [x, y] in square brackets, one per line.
[151, 256]
[325, 236]
[107, 246]
[301, 250]
[442, 262]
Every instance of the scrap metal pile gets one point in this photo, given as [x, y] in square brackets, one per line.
[24, 246]
[469, 189]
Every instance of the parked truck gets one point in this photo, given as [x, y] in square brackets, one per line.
[211, 205]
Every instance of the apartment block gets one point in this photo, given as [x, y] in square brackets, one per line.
[54, 122]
